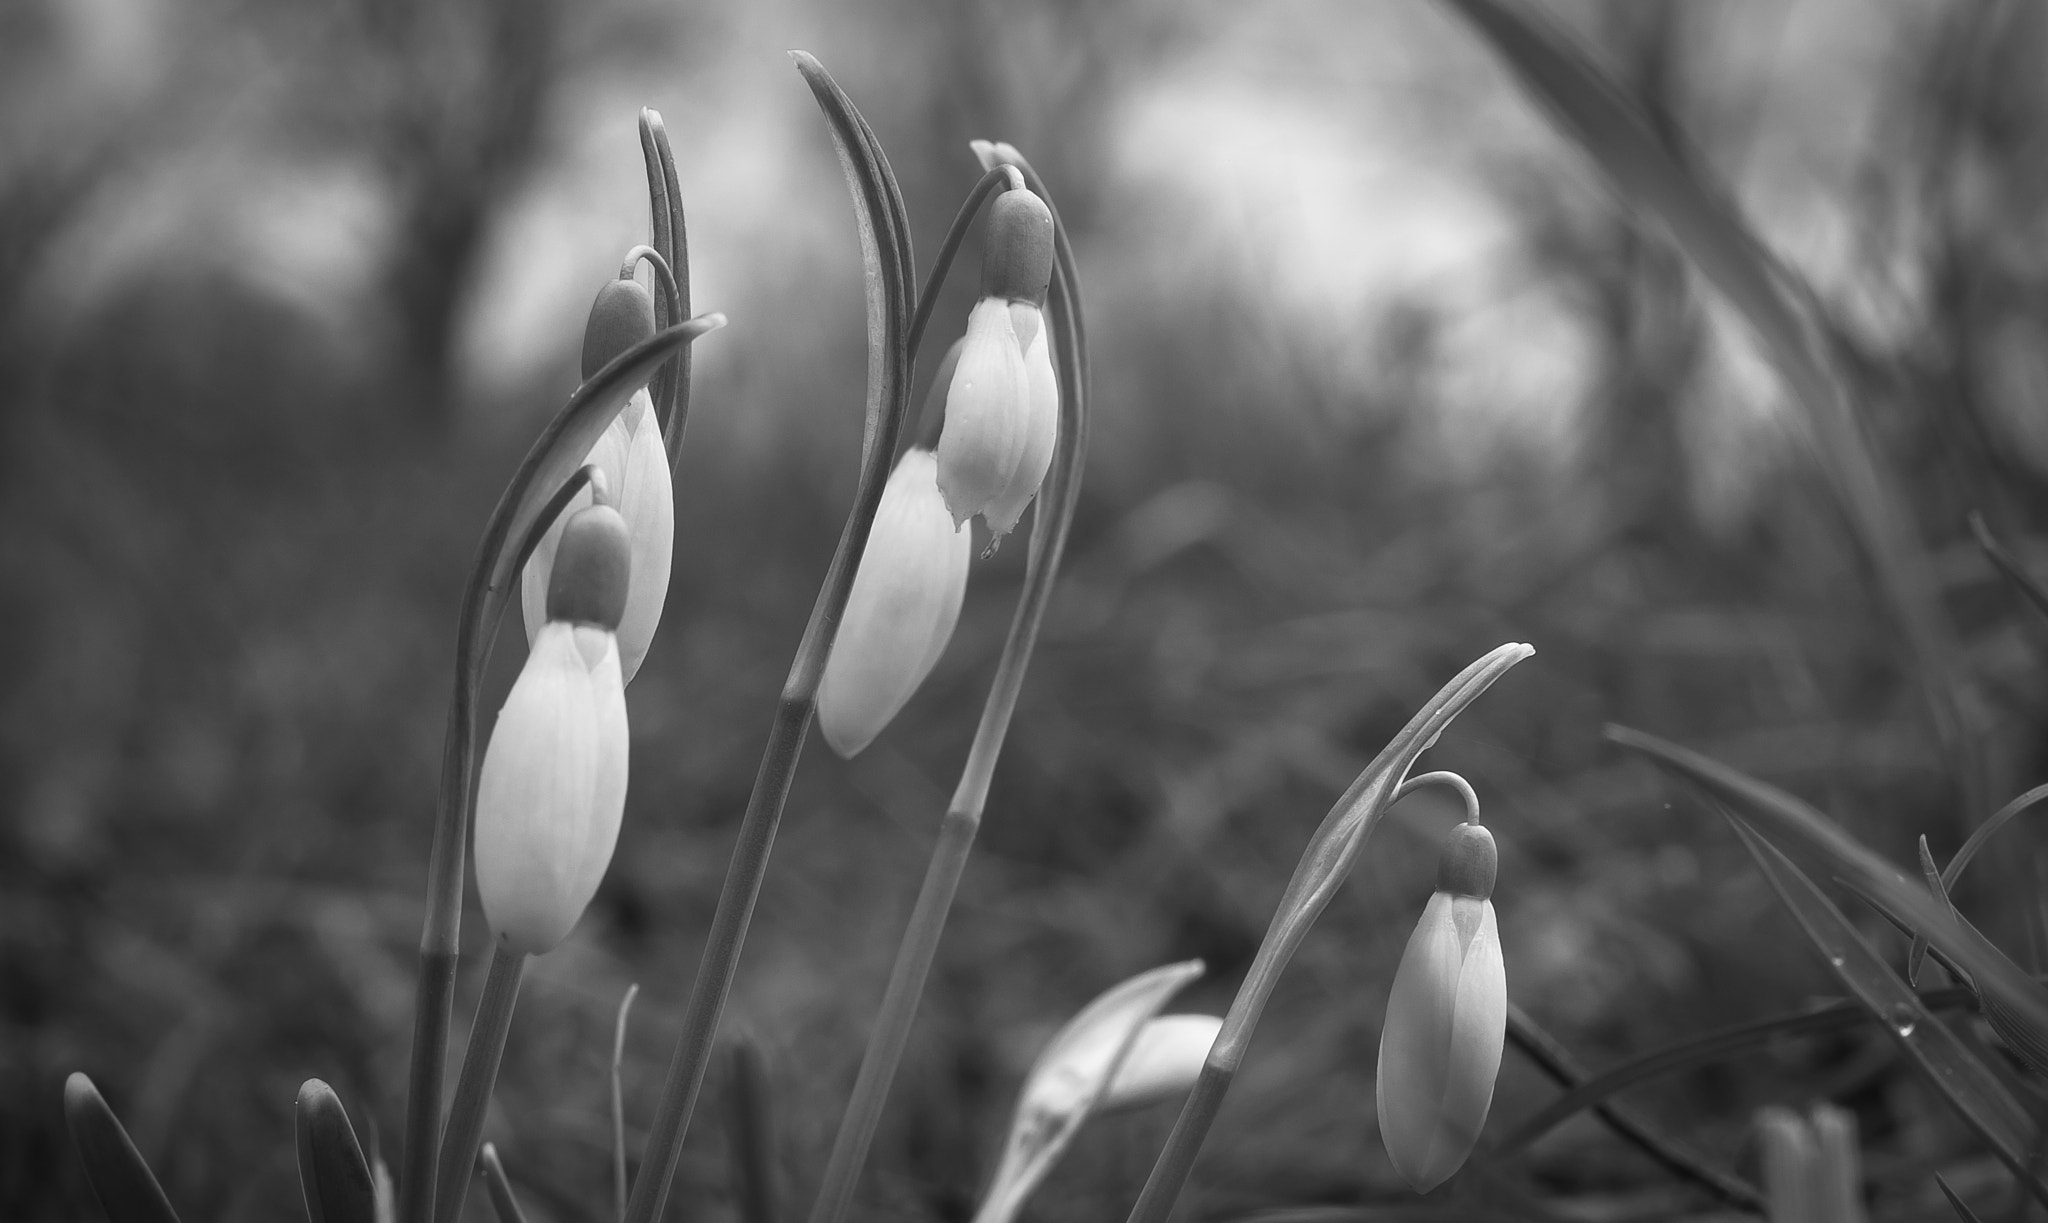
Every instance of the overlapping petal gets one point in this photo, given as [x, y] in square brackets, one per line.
[900, 615]
[553, 788]
[634, 461]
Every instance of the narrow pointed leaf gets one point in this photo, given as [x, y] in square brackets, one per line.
[1955, 1072]
[885, 253]
[2024, 582]
[1962, 1208]
[1703, 1050]
[1069, 1077]
[332, 1173]
[499, 1186]
[1808, 834]
[122, 1181]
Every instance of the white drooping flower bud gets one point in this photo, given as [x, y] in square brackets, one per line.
[634, 460]
[901, 612]
[1002, 406]
[1446, 1020]
[552, 790]
[1163, 1062]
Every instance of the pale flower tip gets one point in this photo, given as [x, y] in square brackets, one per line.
[900, 614]
[552, 789]
[1440, 1048]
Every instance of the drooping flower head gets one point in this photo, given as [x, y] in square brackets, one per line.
[900, 615]
[634, 460]
[1002, 405]
[1446, 1020]
[553, 787]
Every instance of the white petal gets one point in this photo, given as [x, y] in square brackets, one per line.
[1415, 1045]
[983, 439]
[552, 789]
[634, 460]
[901, 612]
[1041, 425]
[1164, 1060]
[1479, 1024]
[645, 496]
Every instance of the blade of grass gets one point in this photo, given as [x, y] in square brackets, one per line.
[885, 255]
[554, 459]
[1611, 129]
[620, 1185]
[1816, 836]
[1053, 518]
[1704, 1050]
[2026, 583]
[1955, 1072]
[499, 1186]
[1553, 1059]
[1962, 1209]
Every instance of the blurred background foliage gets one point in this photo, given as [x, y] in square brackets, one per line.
[1384, 377]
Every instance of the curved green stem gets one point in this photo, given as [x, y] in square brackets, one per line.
[885, 246]
[1057, 502]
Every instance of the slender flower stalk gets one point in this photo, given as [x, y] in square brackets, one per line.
[479, 1076]
[962, 820]
[885, 248]
[528, 503]
[1331, 854]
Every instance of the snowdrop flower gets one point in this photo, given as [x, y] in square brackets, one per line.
[901, 612]
[553, 786]
[1446, 1020]
[1002, 406]
[634, 460]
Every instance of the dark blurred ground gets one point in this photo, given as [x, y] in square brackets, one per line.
[1383, 379]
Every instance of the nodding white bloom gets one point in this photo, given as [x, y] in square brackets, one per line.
[1002, 406]
[634, 460]
[553, 787]
[902, 609]
[1164, 1060]
[1446, 1020]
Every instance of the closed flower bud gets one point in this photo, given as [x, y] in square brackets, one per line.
[1016, 260]
[592, 569]
[553, 787]
[900, 614]
[622, 316]
[1446, 1021]
[634, 461]
[1002, 418]
[1164, 1059]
